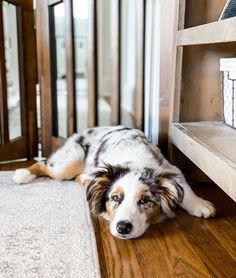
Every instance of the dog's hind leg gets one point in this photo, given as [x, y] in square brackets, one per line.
[66, 172]
[27, 175]
[66, 163]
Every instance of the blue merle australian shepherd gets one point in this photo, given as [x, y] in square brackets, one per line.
[128, 181]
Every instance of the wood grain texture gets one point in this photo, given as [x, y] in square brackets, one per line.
[29, 79]
[27, 142]
[11, 166]
[175, 74]
[203, 11]
[47, 77]
[204, 143]
[100, 249]
[178, 68]
[139, 61]
[92, 64]
[213, 254]
[184, 247]
[3, 87]
[180, 254]
[217, 136]
[169, 67]
[220, 31]
[44, 71]
[150, 255]
[13, 150]
[201, 82]
[115, 61]
[120, 259]
[198, 90]
[70, 69]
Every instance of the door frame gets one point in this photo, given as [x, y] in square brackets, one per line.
[45, 68]
[26, 145]
[50, 142]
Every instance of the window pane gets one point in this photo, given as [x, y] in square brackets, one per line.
[128, 57]
[104, 64]
[80, 9]
[59, 66]
[12, 68]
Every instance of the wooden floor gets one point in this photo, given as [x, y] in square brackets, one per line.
[184, 247]
[15, 165]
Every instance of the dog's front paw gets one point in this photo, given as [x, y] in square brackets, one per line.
[202, 208]
[23, 176]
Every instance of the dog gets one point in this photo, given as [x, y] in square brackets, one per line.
[128, 181]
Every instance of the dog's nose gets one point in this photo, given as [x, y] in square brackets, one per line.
[124, 227]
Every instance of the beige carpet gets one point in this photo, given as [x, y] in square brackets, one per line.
[45, 230]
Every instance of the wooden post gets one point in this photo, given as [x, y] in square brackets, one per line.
[92, 65]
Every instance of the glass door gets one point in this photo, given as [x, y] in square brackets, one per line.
[83, 52]
[62, 36]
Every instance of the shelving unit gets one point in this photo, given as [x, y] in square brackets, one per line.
[211, 146]
[196, 123]
[215, 32]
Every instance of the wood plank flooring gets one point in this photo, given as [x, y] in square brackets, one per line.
[184, 247]
[11, 166]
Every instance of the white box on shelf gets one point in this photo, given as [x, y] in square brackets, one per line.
[228, 69]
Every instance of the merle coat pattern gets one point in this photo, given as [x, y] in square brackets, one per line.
[128, 181]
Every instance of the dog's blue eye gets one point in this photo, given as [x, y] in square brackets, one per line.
[143, 201]
[115, 198]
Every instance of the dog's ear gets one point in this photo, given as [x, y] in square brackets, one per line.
[170, 193]
[165, 186]
[99, 185]
[97, 191]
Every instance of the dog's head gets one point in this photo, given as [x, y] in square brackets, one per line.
[130, 200]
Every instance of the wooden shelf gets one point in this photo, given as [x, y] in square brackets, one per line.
[216, 32]
[212, 147]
